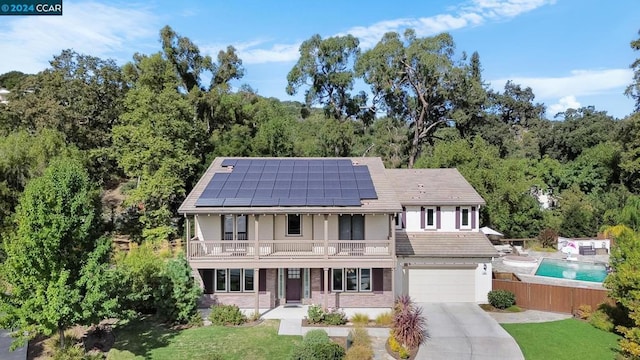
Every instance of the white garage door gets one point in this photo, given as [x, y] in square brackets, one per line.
[442, 285]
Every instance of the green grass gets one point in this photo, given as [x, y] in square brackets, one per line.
[566, 339]
[147, 339]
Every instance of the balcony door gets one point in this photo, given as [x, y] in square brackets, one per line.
[234, 224]
[294, 284]
[351, 227]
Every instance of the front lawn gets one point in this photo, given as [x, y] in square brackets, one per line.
[150, 340]
[565, 339]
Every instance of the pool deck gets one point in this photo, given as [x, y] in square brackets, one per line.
[526, 274]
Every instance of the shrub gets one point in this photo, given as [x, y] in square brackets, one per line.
[335, 317]
[255, 316]
[385, 318]
[359, 352]
[501, 299]
[226, 315]
[408, 323]
[514, 309]
[600, 320]
[360, 336]
[316, 336]
[548, 238]
[583, 312]
[360, 319]
[404, 353]
[318, 351]
[315, 314]
[74, 352]
[394, 345]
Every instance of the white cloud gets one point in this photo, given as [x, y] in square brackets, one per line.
[578, 83]
[565, 103]
[468, 14]
[86, 27]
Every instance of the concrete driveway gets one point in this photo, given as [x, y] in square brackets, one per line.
[5, 343]
[465, 331]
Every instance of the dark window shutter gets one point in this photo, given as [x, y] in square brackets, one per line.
[378, 279]
[422, 221]
[438, 217]
[457, 217]
[404, 217]
[473, 217]
[207, 280]
[262, 282]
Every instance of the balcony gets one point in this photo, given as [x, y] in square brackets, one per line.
[287, 249]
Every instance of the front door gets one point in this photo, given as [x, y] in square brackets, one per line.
[294, 285]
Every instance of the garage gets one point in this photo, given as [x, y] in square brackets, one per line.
[441, 285]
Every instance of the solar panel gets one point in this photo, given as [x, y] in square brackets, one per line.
[227, 193]
[262, 184]
[346, 202]
[289, 182]
[209, 202]
[237, 202]
[210, 193]
[228, 162]
[292, 202]
[245, 193]
[319, 202]
[280, 193]
[262, 193]
[264, 202]
[367, 194]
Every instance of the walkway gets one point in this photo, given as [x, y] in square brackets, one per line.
[465, 331]
[291, 324]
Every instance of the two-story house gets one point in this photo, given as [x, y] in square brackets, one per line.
[346, 232]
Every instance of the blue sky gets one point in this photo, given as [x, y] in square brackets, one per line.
[571, 52]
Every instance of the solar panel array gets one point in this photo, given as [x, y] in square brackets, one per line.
[288, 182]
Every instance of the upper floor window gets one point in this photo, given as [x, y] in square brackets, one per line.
[294, 225]
[427, 218]
[234, 223]
[351, 227]
[465, 217]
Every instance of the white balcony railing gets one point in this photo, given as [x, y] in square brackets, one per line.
[289, 248]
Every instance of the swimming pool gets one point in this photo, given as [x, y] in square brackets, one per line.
[572, 270]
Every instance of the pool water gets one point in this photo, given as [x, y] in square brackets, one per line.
[573, 270]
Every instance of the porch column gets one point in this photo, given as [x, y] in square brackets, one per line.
[326, 287]
[256, 248]
[393, 282]
[326, 238]
[256, 287]
[187, 235]
[392, 246]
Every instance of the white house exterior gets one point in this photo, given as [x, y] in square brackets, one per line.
[268, 231]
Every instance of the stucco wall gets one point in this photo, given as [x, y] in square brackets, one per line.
[447, 219]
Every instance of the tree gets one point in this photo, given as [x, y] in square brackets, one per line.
[325, 67]
[633, 90]
[158, 144]
[46, 277]
[623, 285]
[469, 98]
[410, 78]
[11, 79]
[577, 214]
[629, 137]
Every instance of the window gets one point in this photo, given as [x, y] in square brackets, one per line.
[294, 225]
[248, 279]
[240, 227]
[465, 217]
[337, 279]
[351, 227]
[365, 279]
[351, 279]
[234, 280]
[221, 280]
[427, 218]
[431, 218]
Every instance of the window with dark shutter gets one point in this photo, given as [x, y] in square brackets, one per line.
[377, 278]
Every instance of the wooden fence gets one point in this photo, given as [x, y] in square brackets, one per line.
[553, 298]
